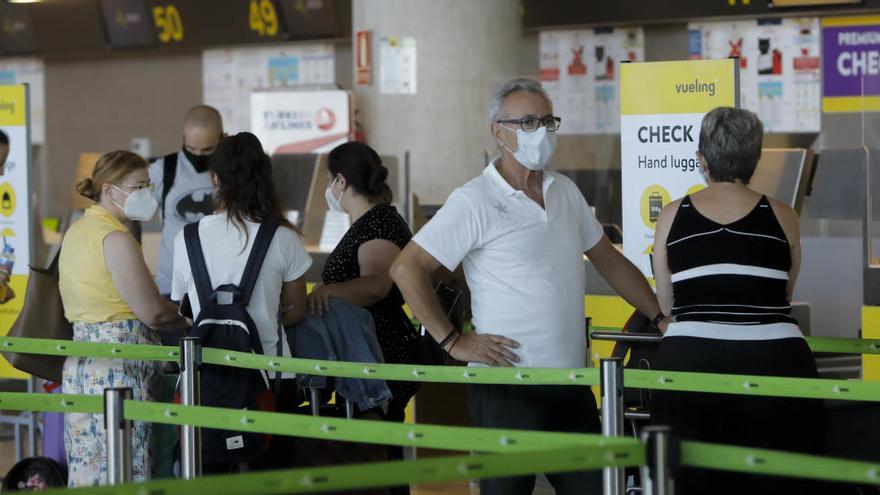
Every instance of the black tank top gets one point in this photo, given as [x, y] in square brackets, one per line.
[735, 273]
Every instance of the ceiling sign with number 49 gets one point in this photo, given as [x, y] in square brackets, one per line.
[263, 18]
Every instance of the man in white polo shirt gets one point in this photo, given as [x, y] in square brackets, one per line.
[520, 233]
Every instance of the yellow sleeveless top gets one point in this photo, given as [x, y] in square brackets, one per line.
[86, 285]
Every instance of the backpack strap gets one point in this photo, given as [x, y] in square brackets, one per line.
[201, 278]
[169, 171]
[255, 262]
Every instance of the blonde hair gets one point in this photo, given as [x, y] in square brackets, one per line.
[110, 169]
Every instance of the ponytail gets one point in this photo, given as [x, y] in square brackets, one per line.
[86, 189]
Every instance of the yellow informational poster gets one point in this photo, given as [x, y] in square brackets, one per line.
[15, 210]
[871, 330]
[662, 107]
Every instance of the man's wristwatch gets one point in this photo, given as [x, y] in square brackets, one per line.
[655, 322]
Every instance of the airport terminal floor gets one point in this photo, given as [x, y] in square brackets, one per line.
[448, 247]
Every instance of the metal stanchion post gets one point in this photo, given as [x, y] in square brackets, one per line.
[611, 383]
[118, 436]
[32, 421]
[657, 476]
[314, 401]
[190, 436]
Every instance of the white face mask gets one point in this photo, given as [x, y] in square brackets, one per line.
[534, 149]
[140, 205]
[704, 170]
[332, 202]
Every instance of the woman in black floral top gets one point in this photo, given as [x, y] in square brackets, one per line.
[357, 270]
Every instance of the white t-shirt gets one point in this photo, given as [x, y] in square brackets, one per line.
[523, 263]
[222, 242]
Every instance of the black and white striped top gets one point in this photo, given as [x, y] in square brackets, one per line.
[734, 275]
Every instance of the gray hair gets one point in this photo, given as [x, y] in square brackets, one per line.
[512, 86]
[730, 141]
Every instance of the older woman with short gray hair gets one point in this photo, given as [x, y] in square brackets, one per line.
[725, 260]
[730, 140]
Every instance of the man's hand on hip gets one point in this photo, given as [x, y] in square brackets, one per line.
[493, 350]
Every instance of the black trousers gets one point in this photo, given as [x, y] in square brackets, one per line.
[556, 408]
[762, 422]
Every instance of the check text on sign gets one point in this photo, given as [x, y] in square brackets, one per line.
[666, 134]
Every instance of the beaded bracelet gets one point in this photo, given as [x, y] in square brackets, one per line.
[448, 339]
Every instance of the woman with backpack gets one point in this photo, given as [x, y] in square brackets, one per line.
[357, 270]
[110, 297]
[248, 221]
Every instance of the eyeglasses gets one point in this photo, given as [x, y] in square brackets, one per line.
[137, 187]
[531, 124]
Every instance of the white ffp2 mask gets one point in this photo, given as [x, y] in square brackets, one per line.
[140, 205]
[534, 149]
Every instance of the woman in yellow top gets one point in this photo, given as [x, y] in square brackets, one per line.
[110, 297]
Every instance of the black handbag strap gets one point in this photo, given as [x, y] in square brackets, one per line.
[52, 269]
[169, 171]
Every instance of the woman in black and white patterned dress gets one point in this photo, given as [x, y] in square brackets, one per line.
[725, 260]
[357, 270]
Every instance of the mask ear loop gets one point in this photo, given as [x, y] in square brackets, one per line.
[127, 194]
[330, 188]
[339, 199]
[504, 146]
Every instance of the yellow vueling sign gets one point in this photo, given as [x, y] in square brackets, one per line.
[12, 106]
[688, 86]
[662, 105]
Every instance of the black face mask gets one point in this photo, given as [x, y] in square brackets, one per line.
[199, 162]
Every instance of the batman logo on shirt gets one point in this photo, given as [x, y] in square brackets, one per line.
[194, 206]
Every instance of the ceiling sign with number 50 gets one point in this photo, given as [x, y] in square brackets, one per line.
[168, 23]
[263, 18]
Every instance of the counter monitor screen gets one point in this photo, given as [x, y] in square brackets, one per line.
[811, 3]
[17, 36]
[311, 19]
[127, 24]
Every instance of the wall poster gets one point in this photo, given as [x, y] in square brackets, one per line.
[580, 71]
[780, 67]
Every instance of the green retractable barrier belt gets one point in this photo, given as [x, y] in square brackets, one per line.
[806, 388]
[385, 474]
[366, 431]
[839, 345]
[89, 349]
[63, 403]
[406, 372]
[416, 373]
[771, 462]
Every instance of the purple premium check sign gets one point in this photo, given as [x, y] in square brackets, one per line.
[848, 54]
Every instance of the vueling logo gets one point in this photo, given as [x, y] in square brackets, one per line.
[696, 87]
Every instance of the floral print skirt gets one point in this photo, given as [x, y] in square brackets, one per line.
[84, 434]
